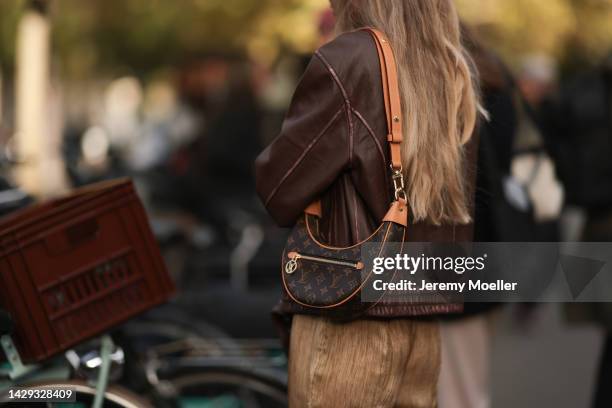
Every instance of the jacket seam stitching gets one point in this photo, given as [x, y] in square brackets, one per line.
[376, 141]
[303, 155]
[355, 216]
[347, 102]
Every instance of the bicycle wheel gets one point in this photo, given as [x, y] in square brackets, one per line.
[225, 387]
[143, 335]
[114, 397]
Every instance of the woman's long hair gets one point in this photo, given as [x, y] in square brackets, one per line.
[440, 98]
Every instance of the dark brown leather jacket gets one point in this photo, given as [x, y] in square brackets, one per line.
[333, 145]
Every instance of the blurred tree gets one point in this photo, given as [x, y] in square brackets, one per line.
[567, 29]
[140, 35]
[9, 16]
[593, 36]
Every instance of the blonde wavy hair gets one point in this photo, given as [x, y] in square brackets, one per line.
[440, 98]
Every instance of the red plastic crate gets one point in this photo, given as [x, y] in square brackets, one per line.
[74, 267]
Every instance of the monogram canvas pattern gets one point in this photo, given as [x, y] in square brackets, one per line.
[320, 284]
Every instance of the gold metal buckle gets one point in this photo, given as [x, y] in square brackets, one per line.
[398, 183]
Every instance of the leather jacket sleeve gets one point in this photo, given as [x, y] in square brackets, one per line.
[311, 150]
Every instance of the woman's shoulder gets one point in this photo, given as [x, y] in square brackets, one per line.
[352, 59]
[351, 41]
[350, 48]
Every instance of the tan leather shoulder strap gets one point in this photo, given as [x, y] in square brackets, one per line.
[391, 93]
[314, 209]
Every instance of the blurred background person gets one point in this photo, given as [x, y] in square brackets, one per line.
[580, 125]
[506, 205]
[537, 78]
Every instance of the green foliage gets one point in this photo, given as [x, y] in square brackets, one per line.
[566, 29]
[9, 15]
[141, 35]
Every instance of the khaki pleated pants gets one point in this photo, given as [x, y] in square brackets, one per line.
[366, 363]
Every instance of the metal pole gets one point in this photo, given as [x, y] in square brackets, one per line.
[102, 381]
[32, 83]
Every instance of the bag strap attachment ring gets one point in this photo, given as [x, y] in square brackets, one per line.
[398, 184]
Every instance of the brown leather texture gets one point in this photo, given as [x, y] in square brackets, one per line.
[330, 279]
[393, 113]
[333, 145]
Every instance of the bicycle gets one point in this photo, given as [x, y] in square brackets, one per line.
[55, 375]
